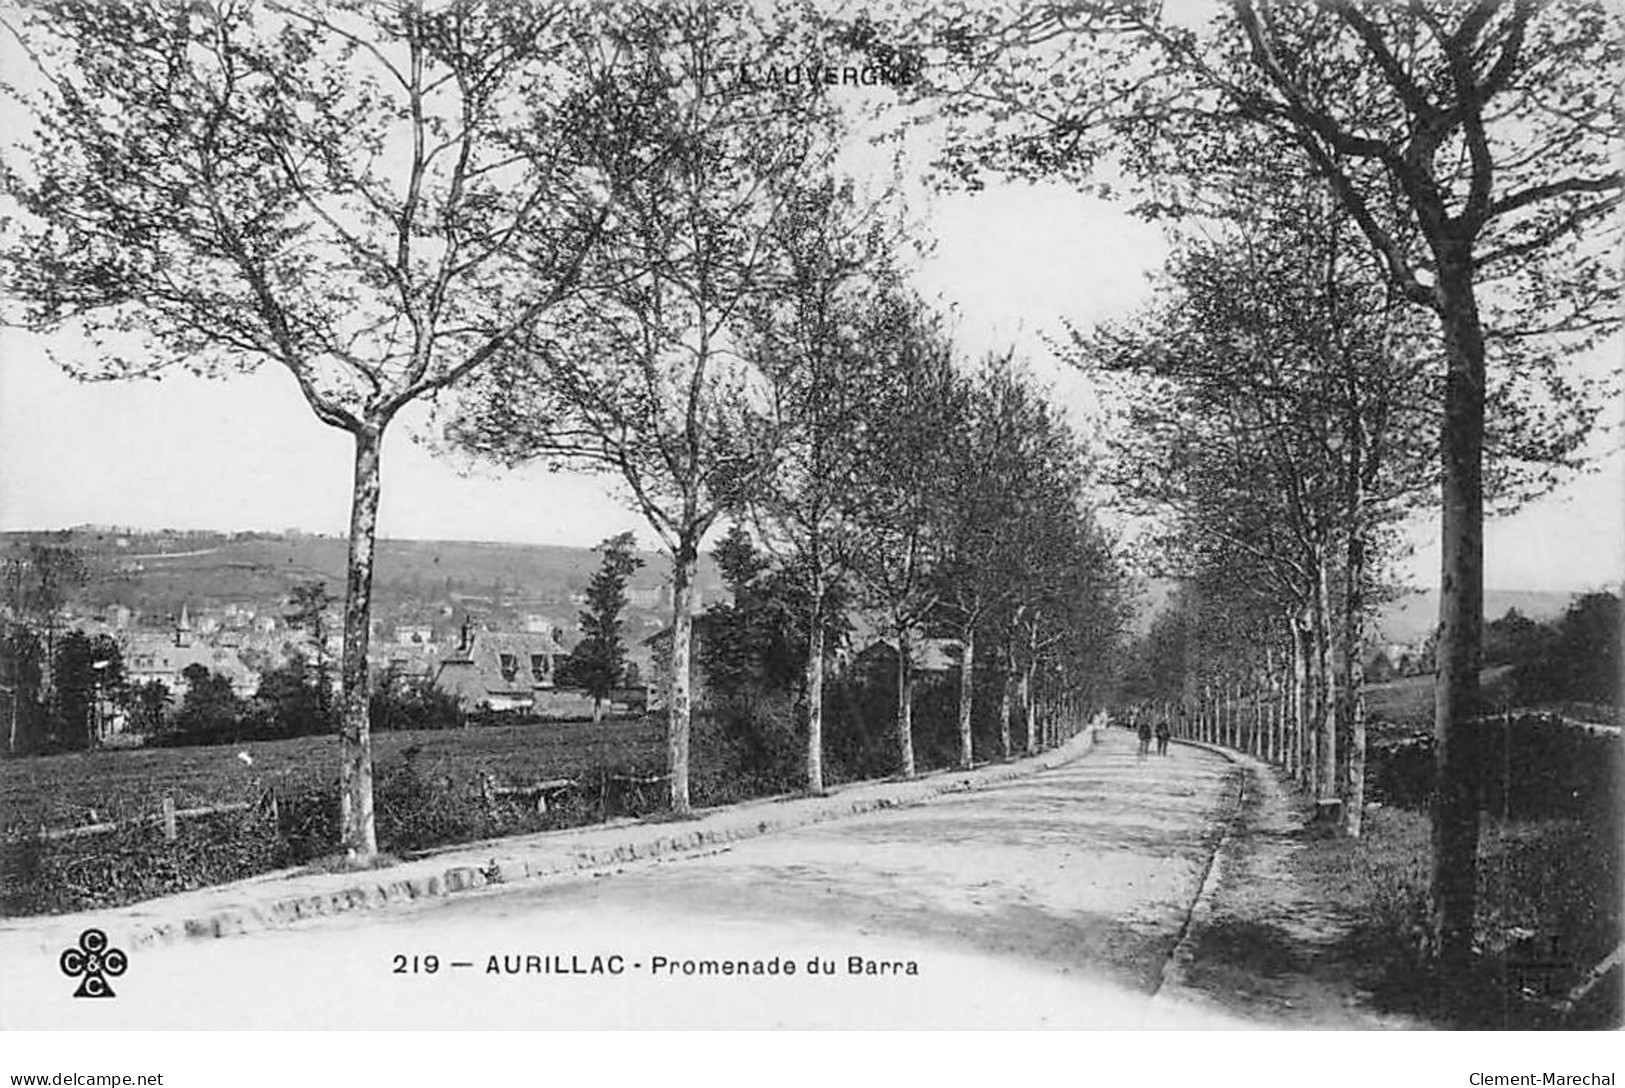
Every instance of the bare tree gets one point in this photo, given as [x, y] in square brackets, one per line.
[1489, 140]
[643, 377]
[903, 476]
[40, 578]
[809, 337]
[1014, 482]
[368, 196]
[1475, 146]
[1300, 399]
[308, 603]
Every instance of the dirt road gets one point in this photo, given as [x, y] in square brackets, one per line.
[1053, 900]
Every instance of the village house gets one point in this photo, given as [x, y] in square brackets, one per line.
[411, 653]
[151, 655]
[930, 658]
[502, 670]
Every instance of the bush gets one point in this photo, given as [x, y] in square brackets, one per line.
[399, 704]
[860, 735]
[135, 863]
[859, 739]
[747, 745]
[751, 744]
[1577, 658]
[1526, 767]
[417, 807]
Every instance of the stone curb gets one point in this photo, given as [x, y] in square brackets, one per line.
[1268, 785]
[537, 856]
[1177, 967]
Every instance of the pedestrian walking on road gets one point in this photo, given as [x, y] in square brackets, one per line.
[1145, 737]
[1164, 731]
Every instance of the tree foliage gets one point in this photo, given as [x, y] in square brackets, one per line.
[22, 683]
[210, 711]
[1474, 147]
[1576, 659]
[598, 661]
[642, 376]
[88, 672]
[308, 606]
[811, 336]
[372, 197]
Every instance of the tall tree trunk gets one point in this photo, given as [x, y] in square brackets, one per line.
[1326, 702]
[597, 709]
[905, 702]
[815, 692]
[1004, 708]
[1461, 614]
[1354, 649]
[1256, 741]
[1233, 715]
[1283, 716]
[1027, 706]
[1240, 716]
[679, 706]
[357, 832]
[1266, 706]
[1229, 715]
[967, 693]
[1300, 700]
[1233, 697]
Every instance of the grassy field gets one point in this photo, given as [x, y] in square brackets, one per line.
[1405, 706]
[81, 788]
[1549, 908]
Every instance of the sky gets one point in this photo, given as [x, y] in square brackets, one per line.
[246, 453]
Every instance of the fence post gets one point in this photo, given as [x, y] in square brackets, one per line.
[169, 818]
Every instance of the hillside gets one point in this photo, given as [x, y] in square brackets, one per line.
[1412, 617]
[155, 573]
[1409, 618]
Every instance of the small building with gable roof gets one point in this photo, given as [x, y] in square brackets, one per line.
[502, 670]
[151, 656]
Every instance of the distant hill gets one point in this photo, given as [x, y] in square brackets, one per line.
[1413, 616]
[1409, 618]
[156, 572]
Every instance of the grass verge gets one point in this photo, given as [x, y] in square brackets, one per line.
[1549, 909]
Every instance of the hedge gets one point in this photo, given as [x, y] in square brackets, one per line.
[1524, 766]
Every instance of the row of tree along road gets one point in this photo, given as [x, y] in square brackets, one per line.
[611, 251]
[592, 242]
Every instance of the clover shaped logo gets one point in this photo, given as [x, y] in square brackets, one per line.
[95, 961]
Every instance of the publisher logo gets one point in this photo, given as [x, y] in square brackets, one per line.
[93, 963]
